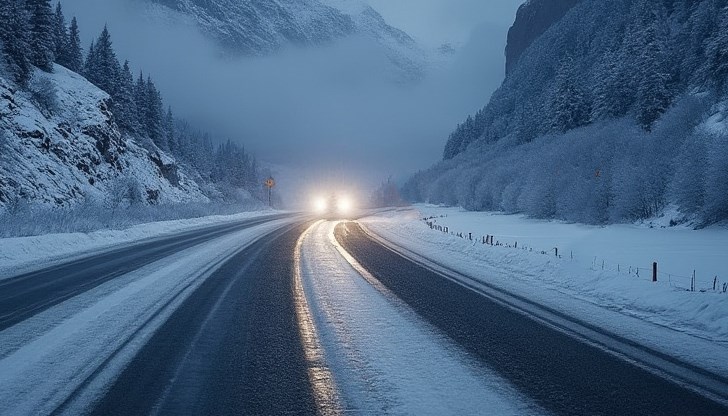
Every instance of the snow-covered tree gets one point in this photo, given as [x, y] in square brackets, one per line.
[13, 34]
[72, 56]
[124, 106]
[571, 106]
[654, 94]
[717, 51]
[102, 66]
[169, 129]
[42, 40]
[155, 115]
[60, 33]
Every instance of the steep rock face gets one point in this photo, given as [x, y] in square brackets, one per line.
[533, 18]
[75, 152]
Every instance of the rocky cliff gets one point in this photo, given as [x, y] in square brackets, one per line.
[533, 19]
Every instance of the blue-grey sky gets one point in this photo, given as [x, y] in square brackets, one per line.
[434, 22]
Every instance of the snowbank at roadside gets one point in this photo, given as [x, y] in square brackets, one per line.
[662, 315]
[23, 254]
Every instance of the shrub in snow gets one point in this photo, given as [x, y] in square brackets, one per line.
[44, 94]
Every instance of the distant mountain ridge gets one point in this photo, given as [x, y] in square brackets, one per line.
[260, 27]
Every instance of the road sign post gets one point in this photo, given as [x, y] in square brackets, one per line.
[270, 183]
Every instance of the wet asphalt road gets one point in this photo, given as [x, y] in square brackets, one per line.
[29, 294]
[233, 347]
[563, 375]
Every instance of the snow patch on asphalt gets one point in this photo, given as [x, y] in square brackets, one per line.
[20, 255]
[385, 358]
[690, 325]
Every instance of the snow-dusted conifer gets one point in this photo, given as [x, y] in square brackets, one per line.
[717, 51]
[42, 40]
[570, 105]
[124, 106]
[170, 131]
[102, 67]
[653, 96]
[155, 115]
[13, 34]
[60, 34]
[72, 57]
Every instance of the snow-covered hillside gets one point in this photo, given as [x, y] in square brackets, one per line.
[65, 152]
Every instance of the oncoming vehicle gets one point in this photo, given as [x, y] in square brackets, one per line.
[334, 207]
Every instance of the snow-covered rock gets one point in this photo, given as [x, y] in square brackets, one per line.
[261, 27]
[69, 151]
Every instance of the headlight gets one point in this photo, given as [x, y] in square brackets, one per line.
[344, 205]
[320, 205]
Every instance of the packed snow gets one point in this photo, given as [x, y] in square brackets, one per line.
[25, 254]
[664, 315]
[385, 359]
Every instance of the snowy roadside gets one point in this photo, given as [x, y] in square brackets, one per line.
[24, 254]
[690, 325]
[385, 359]
[81, 344]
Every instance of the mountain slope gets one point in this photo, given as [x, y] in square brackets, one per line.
[615, 113]
[259, 27]
[74, 152]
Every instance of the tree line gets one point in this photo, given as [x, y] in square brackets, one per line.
[34, 35]
[616, 113]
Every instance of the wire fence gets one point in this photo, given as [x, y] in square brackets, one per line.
[652, 272]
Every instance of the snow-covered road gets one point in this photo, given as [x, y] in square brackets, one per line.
[73, 349]
[385, 359]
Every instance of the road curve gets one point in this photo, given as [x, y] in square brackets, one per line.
[562, 374]
[24, 296]
[233, 346]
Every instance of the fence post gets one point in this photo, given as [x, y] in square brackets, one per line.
[556, 251]
[654, 271]
[715, 282]
[692, 282]
[470, 236]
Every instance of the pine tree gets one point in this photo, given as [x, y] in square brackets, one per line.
[90, 59]
[140, 98]
[653, 96]
[72, 57]
[13, 34]
[124, 105]
[717, 52]
[60, 34]
[42, 40]
[102, 67]
[170, 131]
[571, 106]
[155, 115]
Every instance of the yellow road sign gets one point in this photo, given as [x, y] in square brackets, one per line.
[270, 182]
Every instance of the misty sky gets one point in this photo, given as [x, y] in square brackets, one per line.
[294, 111]
[434, 22]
